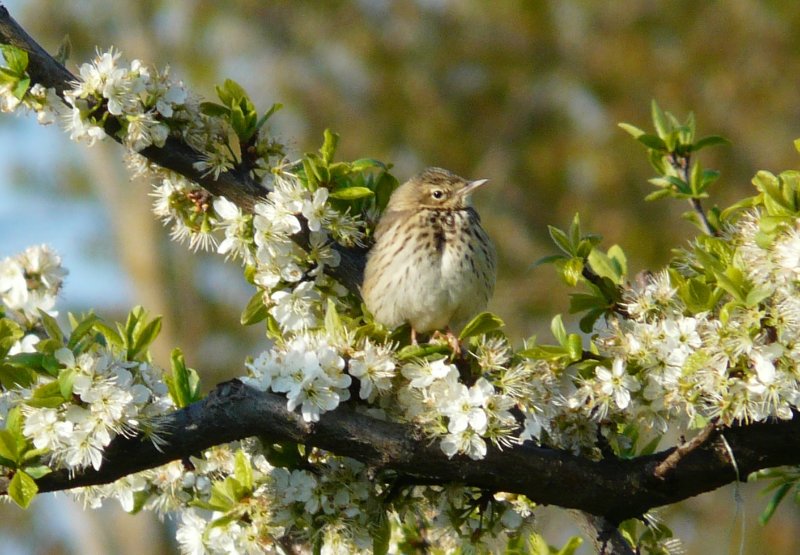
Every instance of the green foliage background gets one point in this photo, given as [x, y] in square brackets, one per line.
[526, 93]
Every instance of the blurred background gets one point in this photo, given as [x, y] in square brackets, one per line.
[525, 93]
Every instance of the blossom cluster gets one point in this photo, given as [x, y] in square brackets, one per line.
[78, 398]
[142, 101]
[29, 282]
[111, 397]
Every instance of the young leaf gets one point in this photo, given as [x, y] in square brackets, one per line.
[16, 58]
[333, 324]
[482, 323]
[242, 471]
[660, 122]
[776, 499]
[183, 383]
[351, 193]
[255, 311]
[22, 489]
[711, 140]
[558, 330]
[330, 140]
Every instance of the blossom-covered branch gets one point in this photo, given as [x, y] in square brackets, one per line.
[175, 154]
[615, 488]
[349, 436]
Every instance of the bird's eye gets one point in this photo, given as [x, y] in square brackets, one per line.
[438, 194]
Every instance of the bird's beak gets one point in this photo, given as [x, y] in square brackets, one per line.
[471, 186]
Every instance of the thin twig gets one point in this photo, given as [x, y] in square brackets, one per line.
[670, 463]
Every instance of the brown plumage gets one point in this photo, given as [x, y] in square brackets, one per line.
[432, 265]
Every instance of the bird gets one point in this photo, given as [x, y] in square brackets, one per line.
[432, 265]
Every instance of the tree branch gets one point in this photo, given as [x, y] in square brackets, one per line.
[237, 185]
[616, 489]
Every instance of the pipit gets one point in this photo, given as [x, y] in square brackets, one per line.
[432, 265]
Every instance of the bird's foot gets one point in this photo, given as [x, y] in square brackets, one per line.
[450, 338]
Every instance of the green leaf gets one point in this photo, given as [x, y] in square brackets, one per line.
[362, 164]
[255, 311]
[12, 376]
[22, 489]
[330, 140]
[183, 383]
[212, 109]
[274, 108]
[558, 330]
[351, 193]
[66, 378]
[561, 240]
[51, 327]
[144, 337]
[776, 499]
[8, 446]
[333, 323]
[652, 142]
[616, 254]
[660, 122]
[384, 187]
[656, 195]
[112, 336]
[634, 131]
[37, 471]
[242, 471]
[48, 395]
[574, 346]
[16, 58]
[586, 323]
[10, 333]
[711, 140]
[410, 352]
[571, 271]
[605, 266]
[546, 260]
[84, 327]
[231, 93]
[480, 324]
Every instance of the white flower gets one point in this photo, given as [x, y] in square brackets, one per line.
[46, 429]
[617, 383]
[273, 220]
[190, 533]
[13, 286]
[175, 95]
[297, 309]
[237, 243]
[787, 253]
[8, 100]
[464, 408]
[321, 253]
[467, 442]
[312, 380]
[316, 209]
[423, 374]
[374, 366]
[264, 368]
[25, 345]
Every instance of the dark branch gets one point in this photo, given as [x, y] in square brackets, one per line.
[613, 488]
[237, 185]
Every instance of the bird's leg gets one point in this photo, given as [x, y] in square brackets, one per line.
[413, 336]
[451, 340]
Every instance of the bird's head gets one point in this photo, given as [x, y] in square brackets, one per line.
[434, 188]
